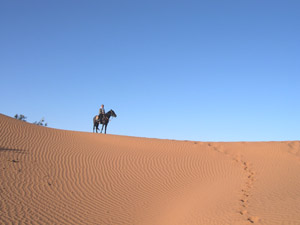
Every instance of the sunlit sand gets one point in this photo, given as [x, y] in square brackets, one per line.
[51, 176]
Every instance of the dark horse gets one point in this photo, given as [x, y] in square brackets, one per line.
[104, 122]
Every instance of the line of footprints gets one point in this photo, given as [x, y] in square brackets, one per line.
[246, 191]
[244, 200]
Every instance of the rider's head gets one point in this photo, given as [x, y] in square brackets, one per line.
[102, 106]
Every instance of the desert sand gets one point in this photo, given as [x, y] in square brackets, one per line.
[51, 176]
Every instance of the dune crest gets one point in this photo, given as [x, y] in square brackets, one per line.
[51, 176]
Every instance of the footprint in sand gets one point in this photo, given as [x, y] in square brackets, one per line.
[237, 159]
[246, 195]
[243, 200]
[253, 219]
[243, 212]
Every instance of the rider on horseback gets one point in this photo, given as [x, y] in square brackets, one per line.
[101, 113]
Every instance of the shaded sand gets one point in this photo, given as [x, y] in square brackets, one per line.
[51, 176]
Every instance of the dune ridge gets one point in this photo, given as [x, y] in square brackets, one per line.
[51, 176]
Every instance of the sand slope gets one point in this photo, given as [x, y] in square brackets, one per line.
[50, 176]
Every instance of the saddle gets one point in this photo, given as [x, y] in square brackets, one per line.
[104, 118]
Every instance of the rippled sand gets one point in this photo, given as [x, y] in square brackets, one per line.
[50, 176]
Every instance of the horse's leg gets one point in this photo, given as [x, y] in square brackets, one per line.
[102, 128]
[105, 128]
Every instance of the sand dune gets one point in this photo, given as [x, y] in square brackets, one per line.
[51, 176]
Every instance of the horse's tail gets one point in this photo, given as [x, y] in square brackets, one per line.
[94, 125]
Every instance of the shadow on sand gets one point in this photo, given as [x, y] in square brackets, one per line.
[11, 150]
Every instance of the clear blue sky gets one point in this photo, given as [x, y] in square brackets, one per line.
[189, 70]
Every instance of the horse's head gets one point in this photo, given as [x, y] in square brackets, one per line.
[113, 114]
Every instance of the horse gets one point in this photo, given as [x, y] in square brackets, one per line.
[104, 122]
